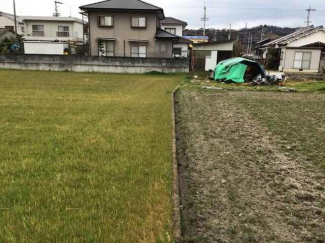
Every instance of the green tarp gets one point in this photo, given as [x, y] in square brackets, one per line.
[234, 69]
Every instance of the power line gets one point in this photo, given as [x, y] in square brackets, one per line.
[250, 8]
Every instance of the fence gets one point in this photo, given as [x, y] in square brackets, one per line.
[94, 64]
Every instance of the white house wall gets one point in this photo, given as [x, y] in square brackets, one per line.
[211, 61]
[290, 56]
[310, 39]
[51, 29]
[184, 49]
[78, 30]
[179, 28]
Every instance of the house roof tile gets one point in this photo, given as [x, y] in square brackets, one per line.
[121, 4]
[170, 20]
[300, 33]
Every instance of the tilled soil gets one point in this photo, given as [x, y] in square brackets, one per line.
[236, 183]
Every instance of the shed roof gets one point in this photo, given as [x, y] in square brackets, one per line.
[196, 37]
[173, 21]
[300, 33]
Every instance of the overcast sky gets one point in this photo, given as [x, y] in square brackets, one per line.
[220, 12]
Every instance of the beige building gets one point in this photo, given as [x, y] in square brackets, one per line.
[61, 29]
[128, 28]
[302, 50]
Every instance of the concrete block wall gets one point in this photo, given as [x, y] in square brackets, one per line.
[94, 64]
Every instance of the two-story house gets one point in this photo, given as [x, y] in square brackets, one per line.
[128, 28]
[176, 27]
[51, 35]
[52, 28]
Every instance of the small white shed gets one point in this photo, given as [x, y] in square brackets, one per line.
[212, 53]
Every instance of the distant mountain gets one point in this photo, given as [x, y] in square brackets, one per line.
[242, 35]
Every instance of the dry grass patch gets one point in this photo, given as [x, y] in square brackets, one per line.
[85, 157]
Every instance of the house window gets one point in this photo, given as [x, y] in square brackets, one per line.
[138, 50]
[38, 30]
[106, 48]
[171, 30]
[10, 28]
[110, 46]
[177, 51]
[302, 60]
[139, 22]
[63, 31]
[105, 21]
[162, 48]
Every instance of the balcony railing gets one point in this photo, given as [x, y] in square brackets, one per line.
[38, 33]
[62, 34]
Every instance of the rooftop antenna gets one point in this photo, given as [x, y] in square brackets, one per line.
[57, 14]
[309, 10]
[204, 19]
[229, 37]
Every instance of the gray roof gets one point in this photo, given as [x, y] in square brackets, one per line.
[173, 21]
[11, 16]
[124, 5]
[51, 18]
[121, 4]
[300, 33]
[164, 34]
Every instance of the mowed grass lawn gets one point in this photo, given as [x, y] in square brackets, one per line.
[85, 157]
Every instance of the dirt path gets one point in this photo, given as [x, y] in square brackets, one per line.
[236, 183]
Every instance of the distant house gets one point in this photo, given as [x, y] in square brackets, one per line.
[61, 29]
[259, 50]
[51, 35]
[176, 27]
[7, 33]
[300, 51]
[128, 28]
[197, 39]
[7, 21]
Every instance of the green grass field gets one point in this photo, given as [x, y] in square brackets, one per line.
[85, 157]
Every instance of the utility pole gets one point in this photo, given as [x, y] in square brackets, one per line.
[204, 19]
[262, 34]
[246, 38]
[15, 17]
[309, 10]
[229, 33]
[56, 13]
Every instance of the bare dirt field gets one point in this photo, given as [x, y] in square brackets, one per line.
[251, 166]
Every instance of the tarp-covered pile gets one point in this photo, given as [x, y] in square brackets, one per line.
[241, 70]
